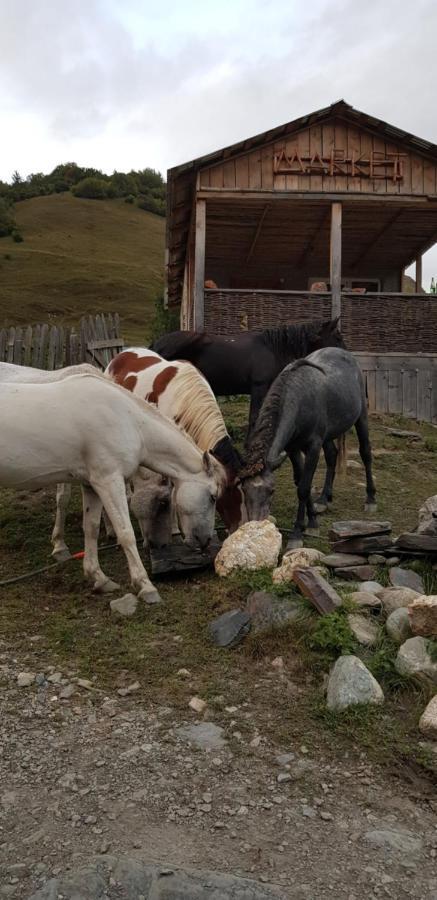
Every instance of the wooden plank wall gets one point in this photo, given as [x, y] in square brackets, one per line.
[96, 341]
[254, 170]
[401, 384]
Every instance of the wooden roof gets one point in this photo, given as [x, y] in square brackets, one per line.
[410, 237]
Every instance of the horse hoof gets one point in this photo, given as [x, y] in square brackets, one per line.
[320, 507]
[370, 507]
[294, 544]
[106, 587]
[150, 597]
[61, 555]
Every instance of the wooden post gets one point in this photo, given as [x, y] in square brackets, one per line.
[418, 274]
[335, 260]
[199, 266]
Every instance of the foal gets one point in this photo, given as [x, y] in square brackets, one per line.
[312, 402]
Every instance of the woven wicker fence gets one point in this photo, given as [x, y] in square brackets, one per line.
[96, 340]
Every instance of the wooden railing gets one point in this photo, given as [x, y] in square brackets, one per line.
[96, 340]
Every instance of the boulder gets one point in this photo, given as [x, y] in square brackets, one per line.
[356, 573]
[317, 590]
[365, 631]
[350, 683]
[375, 559]
[398, 625]
[371, 587]
[366, 599]
[396, 598]
[230, 628]
[336, 560]
[422, 613]
[269, 611]
[295, 559]
[428, 517]
[255, 545]
[413, 659]
[428, 720]
[416, 543]
[406, 578]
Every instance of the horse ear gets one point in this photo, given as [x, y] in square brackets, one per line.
[207, 464]
[275, 463]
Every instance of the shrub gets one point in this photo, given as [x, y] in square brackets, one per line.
[17, 236]
[151, 204]
[163, 319]
[93, 189]
[7, 222]
[332, 634]
[129, 199]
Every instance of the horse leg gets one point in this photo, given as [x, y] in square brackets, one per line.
[304, 495]
[362, 430]
[63, 495]
[330, 452]
[92, 511]
[112, 493]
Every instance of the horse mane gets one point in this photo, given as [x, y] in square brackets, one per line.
[228, 455]
[179, 344]
[293, 341]
[267, 422]
[195, 408]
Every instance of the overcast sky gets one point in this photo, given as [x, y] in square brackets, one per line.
[131, 83]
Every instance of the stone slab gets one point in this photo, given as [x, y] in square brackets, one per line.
[339, 531]
[317, 590]
[356, 573]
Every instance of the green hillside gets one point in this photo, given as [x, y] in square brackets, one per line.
[79, 257]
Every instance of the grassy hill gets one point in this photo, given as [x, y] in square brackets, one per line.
[80, 257]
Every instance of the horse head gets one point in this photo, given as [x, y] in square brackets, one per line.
[258, 483]
[195, 499]
[329, 335]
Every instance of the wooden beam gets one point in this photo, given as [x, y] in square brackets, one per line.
[313, 240]
[199, 266]
[335, 260]
[206, 193]
[421, 249]
[258, 231]
[377, 238]
[419, 274]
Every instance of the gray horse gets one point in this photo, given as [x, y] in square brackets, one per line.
[312, 402]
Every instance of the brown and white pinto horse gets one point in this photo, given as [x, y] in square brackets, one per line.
[181, 393]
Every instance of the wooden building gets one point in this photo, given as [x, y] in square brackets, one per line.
[316, 218]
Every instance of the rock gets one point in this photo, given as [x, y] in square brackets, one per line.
[295, 559]
[366, 599]
[398, 625]
[85, 683]
[375, 559]
[339, 531]
[183, 673]
[396, 598]
[283, 777]
[394, 839]
[356, 573]
[416, 543]
[422, 613]
[428, 720]
[40, 679]
[413, 659]
[230, 628]
[255, 545]
[406, 578]
[197, 704]
[428, 517]
[392, 561]
[56, 678]
[205, 735]
[125, 606]
[277, 662]
[110, 876]
[365, 631]
[25, 679]
[269, 611]
[363, 545]
[404, 433]
[371, 587]
[130, 689]
[351, 683]
[340, 560]
[67, 692]
[318, 591]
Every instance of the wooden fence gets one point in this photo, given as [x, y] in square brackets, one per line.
[401, 383]
[96, 340]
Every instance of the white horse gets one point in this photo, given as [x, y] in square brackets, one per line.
[149, 494]
[83, 428]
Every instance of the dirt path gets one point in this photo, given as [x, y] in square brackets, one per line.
[108, 774]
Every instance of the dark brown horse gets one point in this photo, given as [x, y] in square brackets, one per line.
[249, 362]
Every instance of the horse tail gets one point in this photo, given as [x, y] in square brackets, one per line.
[179, 344]
[341, 464]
